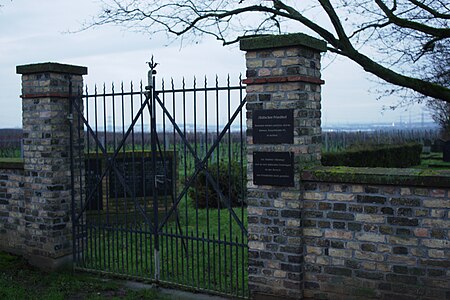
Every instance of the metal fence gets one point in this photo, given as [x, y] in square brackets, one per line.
[162, 181]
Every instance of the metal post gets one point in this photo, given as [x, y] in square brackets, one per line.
[153, 130]
[72, 175]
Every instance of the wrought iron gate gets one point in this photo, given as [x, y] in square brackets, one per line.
[159, 184]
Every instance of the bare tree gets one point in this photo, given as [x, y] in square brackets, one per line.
[440, 112]
[438, 70]
[391, 39]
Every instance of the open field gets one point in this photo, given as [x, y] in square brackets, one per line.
[10, 139]
[335, 141]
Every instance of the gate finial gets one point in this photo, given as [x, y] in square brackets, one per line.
[152, 65]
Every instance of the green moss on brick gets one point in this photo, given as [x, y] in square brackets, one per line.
[11, 163]
[50, 67]
[260, 42]
[385, 176]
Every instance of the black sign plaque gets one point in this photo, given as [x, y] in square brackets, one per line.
[273, 168]
[138, 176]
[273, 126]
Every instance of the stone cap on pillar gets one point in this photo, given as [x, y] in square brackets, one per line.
[52, 68]
[259, 42]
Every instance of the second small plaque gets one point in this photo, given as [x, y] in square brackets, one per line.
[273, 126]
[273, 168]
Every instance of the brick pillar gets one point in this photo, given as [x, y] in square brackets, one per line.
[46, 152]
[283, 75]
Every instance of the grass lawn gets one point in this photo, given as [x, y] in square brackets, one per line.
[197, 257]
[18, 280]
[433, 161]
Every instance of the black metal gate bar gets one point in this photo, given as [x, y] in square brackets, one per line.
[201, 163]
[111, 160]
[153, 134]
[147, 157]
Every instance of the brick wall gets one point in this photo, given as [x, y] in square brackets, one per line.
[339, 233]
[364, 239]
[12, 206]
[47, 120]
[36, 208]
[284, 76]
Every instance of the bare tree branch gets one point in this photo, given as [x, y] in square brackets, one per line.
[364, 28]
[406, 34]
[433, 31]
[435, 13]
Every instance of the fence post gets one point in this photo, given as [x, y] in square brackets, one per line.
[283, 80]
[46, 153]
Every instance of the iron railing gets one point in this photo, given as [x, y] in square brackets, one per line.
[161, 184]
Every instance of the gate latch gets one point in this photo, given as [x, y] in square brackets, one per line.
[160, 179]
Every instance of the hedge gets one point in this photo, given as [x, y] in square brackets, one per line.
[386, 156]
[232, 187]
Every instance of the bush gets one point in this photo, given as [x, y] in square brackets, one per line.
[232, 187]
[387, 156]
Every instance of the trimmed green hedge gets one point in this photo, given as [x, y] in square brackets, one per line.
[385, 156]
[233, 187]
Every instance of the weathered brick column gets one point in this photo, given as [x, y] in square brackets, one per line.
[47, 232]
[283, 82]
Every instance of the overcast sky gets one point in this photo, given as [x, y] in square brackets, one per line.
[36, 31]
